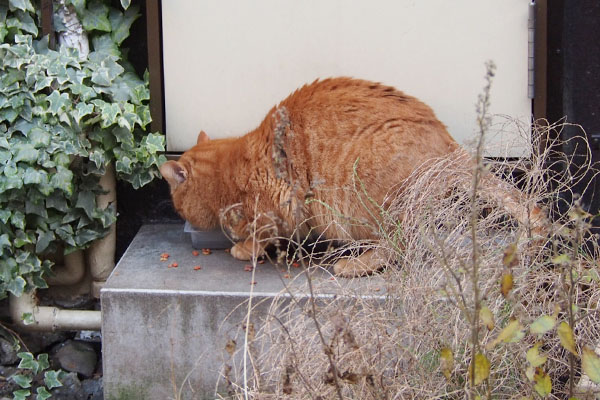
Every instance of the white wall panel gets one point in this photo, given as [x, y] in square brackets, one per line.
[226, 63]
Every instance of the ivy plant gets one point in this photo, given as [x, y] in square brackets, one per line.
[63, 119]
[30, 376]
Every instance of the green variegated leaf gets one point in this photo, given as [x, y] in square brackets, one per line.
[24, 152]
[125, 3]
[58, 101]
[79, 5]
[23, 381]
[21, 394]
[52, 379]
[16, 286]
[87, 201]
[42, 393]
[24, 5]
[62, 179]
[121, 23]
[81, 110]
[104, 45]
[95, 17]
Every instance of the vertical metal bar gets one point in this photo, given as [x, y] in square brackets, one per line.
[154, 36]
[47, 25]
[541, 61]
[531, 51]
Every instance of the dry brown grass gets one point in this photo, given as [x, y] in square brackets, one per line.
[384, 333]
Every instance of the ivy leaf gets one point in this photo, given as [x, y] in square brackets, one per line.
[590, 363]
[81, 110]
[84, 92]
[24, 152]
[33, 176]
[104, 45]
[98, 157]
[95, 17]
[87, 201]
[124, 136]
[23, 21]
[79, 6]
[86, 236]
[43, 241]
[62, 179]
[565, 333]
[121, 22]
[58, 101]
[22, 394]
[27, 318]
[52, 379]
[16, 286]
[42, 393]
[42, 362]
[24, 5]
[39, 138]
[27, 361]
[23, 381]
[123, 165]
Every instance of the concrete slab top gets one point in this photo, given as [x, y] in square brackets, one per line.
[141, 269]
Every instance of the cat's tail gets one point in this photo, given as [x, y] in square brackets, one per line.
[529, 215]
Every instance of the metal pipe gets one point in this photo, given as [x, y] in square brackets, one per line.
[101, 254]
[71, 272]
[51, 318]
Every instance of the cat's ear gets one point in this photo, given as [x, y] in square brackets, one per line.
[202, 137]
[174, 173]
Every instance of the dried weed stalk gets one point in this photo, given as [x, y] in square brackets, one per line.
[471, 303]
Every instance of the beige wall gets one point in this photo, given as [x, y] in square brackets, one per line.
[227, 62]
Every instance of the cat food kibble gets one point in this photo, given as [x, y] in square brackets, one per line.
[248, 268]
[164, 256]
[197, 268]
[195, 253]
[206, 251]
[173, 265]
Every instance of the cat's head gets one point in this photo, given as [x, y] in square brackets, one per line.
[192, 184]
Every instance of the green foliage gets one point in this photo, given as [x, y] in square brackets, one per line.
[63, 119]
[34, 373]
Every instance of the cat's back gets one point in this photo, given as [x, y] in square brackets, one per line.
[340, 120]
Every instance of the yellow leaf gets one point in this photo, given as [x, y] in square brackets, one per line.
[487, 317]
[534, 357]
[506, 284]
[446, 362]
[479, 370]
[510, 258]
[543, 383]
[513, 332]
[530, 372]
[562, 259]
[542, 325]
[566, 337]
[590, 363]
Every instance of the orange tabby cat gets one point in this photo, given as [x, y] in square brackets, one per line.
[308, 147]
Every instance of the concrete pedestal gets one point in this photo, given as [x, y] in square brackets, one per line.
[164, 328]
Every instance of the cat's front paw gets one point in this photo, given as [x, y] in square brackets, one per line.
[240, 252]
[364, 264]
